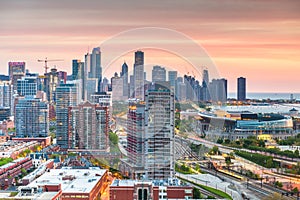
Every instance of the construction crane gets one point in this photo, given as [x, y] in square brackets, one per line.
[46, 61]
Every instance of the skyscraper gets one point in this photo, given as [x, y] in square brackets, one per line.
[150, 134]
[16, 70]
[159, 133]
[241, 93]
[27, 86]
[117, 85]
[96, 68]
[204, 90]
[131, 86]
[77, 69]
[138, 73]
[172, 78]
[93, 65]
[31, 118]
[124, 75]
[218, 90]
[6, 95]
[52, 81]
[205, 76]
[136, 138]
[67, 95]
[158, 74]
[103, 99]
[79, 73]
[88, 126]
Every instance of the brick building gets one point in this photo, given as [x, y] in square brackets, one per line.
[146, 190]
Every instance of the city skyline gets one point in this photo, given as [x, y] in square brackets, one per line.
[242, 38]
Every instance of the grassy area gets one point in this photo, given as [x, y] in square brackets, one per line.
[13, 194]
[215, 191]
[210, 189]
[4, 161]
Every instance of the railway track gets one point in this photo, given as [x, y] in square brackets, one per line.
[252, 185]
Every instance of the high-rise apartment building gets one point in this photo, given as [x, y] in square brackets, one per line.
[31, 118]
[159, 133]
[241, 89]
[67, 95]
[150, 135]
[6, 94]
[27, 86]
[88, 127]
[136, 138]
[138, 73]
[52, 80]
[158, 73]
[103, 99]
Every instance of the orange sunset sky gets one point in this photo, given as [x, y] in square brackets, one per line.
[257, 39]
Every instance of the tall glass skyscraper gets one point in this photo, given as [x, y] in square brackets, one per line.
[124, 75]
[93, 66]
[138, 73]
[67, 95]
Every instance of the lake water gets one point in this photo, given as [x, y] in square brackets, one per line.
[273, 96]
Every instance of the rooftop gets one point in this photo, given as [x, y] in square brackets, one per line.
[130, 183]
[71, 180]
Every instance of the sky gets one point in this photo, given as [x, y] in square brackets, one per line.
[256, 39]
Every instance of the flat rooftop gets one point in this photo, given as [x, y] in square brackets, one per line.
[82, 181]
[131, 182]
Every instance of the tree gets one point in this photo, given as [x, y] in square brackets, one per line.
[24, 172]
[214, 151]
[113, 138]
[220, 141]
[261, 143]
[228, 161]
[296, 153]
[278, 184]
[227, 141]
[295, 190]
[196, 193]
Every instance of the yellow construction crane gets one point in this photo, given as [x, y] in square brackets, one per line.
[46, 61]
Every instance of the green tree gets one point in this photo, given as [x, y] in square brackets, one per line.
[214, 151]
[220, 141]
[296, 153]
[113, 138]
[295, 190]
[24, 172]
[227, 141]
[196, 193]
